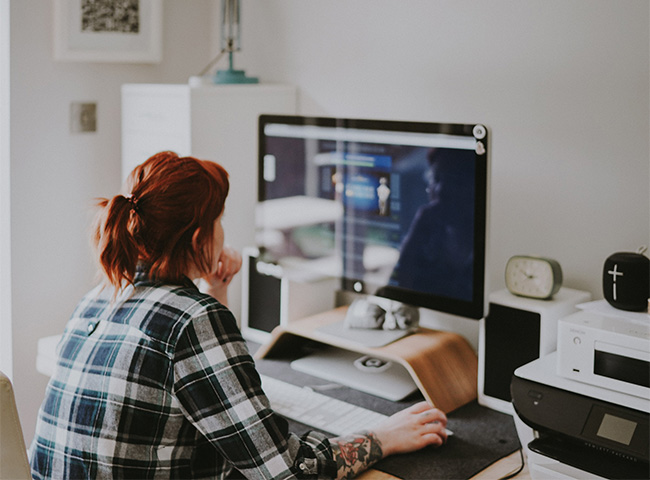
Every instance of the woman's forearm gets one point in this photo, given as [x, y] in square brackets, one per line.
[355, 453]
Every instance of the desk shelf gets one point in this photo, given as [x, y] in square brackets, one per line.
[443, 365]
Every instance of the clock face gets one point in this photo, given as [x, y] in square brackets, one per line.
[534, 277]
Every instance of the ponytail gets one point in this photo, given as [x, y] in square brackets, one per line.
[115, 240]
[166, 222]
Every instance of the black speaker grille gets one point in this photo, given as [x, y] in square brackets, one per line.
[263, 299]
[512, 338]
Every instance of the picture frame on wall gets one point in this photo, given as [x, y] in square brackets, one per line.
[120, 31]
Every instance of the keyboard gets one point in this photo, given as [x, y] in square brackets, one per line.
[314, 409]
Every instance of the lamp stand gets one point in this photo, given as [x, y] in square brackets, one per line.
[231, 75]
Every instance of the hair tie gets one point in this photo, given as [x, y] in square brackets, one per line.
[133, 200]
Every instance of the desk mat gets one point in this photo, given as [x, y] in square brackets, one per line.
[481, 436]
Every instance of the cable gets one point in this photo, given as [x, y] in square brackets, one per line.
[212, 62]
[521, 467]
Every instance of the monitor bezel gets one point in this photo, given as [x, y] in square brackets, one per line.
[474, 308]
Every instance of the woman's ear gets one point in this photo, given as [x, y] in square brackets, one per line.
[202, 254]
[195, 257]
[195, 239]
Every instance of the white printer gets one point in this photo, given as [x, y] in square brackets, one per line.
[579, 430]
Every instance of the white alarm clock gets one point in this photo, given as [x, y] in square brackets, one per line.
[532, 276]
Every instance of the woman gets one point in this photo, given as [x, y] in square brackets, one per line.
[154, 379]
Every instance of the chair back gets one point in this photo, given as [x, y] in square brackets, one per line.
[14, 464]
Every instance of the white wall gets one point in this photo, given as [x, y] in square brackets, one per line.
[55, 175]
[563, 85]
[6, 360]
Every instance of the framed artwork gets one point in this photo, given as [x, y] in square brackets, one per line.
[128, 31]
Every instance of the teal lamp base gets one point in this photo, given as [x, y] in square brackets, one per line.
[233, 76]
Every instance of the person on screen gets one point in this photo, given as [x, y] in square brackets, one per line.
[153, 378]
[436, 255]
[383, 192]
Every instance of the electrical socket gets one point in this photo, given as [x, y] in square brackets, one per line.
[83, 117]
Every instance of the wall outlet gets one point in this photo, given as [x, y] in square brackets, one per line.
[83, 117]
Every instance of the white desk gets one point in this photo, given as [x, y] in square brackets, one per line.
[46, 354]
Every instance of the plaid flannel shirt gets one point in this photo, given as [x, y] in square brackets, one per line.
[160, 384]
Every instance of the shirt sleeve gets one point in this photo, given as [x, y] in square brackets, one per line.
[220, 392]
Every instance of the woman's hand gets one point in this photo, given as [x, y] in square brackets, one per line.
[411, 429]
[229, 263]
[406, 431]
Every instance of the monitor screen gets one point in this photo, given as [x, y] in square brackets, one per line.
[395, 209]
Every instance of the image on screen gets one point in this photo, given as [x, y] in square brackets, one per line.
[395, 209]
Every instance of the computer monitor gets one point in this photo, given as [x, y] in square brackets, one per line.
[395, 209]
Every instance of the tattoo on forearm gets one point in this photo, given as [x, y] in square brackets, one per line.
[355, 453]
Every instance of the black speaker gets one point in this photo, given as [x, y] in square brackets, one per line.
[516, 331]
[626, 281]
[264, 303]
[512, 339]
[273, 295]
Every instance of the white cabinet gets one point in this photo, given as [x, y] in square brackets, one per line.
[213, 122]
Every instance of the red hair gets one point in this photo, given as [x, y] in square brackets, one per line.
[166, 221]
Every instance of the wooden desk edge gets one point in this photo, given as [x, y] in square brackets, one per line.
[498, 469]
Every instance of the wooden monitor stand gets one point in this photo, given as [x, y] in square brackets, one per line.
[443, 365]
